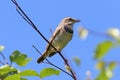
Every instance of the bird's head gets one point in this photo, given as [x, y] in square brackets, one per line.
[69, 20]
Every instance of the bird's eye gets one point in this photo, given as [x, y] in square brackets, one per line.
[70, 19]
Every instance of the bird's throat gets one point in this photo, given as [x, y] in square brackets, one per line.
[68, 29]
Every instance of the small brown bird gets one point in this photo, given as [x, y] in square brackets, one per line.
[60, 38]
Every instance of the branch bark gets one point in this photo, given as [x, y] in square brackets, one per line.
[29, 21]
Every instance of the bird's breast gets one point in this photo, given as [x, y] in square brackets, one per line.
[62, 39]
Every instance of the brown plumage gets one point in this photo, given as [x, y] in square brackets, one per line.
[60, 37]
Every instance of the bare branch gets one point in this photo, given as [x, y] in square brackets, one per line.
[3, 57]
[2, 63]
[29, 21]
[50, 63]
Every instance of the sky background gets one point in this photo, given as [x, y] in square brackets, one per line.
[97, 15]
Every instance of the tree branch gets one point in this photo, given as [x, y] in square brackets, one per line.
[3, 57]
[2, 63]
[48, 62]
[29, 21]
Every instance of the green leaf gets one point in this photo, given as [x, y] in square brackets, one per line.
[29, 73]
[13, 77]
[23, 79]
[102, 75]
[6, 69]
[106, 72]
[100, 65]
[112, 65]
[76, 60]
[102, 49]
[48, 72]
[19, 58]
[2, 77]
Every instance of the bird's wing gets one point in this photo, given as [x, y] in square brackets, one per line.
[53, 37]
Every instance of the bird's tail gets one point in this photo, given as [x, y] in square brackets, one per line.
[42, 58]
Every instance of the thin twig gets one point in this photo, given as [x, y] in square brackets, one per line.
[36, 49]
[48, 62]
[51, 31]
[3, 57]
[2, 63]
[26, 18]
[98, 33]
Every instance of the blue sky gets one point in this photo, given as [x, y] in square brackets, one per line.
[98, 15]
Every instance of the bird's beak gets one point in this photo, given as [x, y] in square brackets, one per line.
[76, 20]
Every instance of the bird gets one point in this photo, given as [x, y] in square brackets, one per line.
[60, 38]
